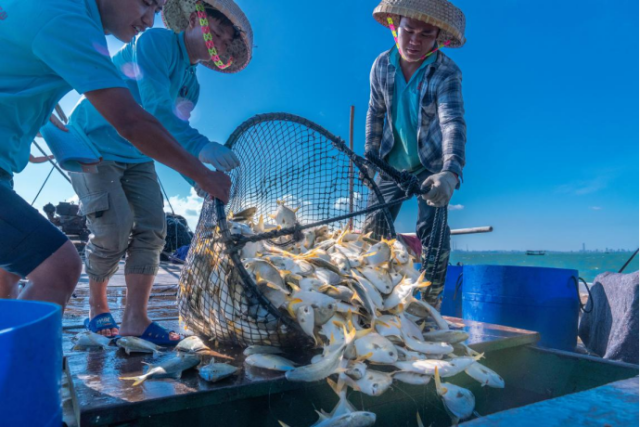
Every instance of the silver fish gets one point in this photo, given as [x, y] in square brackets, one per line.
[305, 316]
[192, 344]
[373, 383]
[327, 366]
[458, 401]
[217, 371]
[382, 350]
[412, 378]
[270, 361]
[484, 375]
[171, 368]
[87, 340]
[261, 349]
[450, 336]
[138, 345]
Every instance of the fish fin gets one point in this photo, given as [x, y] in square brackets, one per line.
[338, 324]
[293, 286]
[362, 332]
[230, 216]
[137, 380]
[322, 415]
[296, 209]
[368, 255]
[441, 390]
[333, 386]
[419, 420]
[381, 323]
[293, 302]
[422, 326]
[332, 339]
[272, 286]
[350, 382]
[349, 336]
[364, 357]
[283, 424]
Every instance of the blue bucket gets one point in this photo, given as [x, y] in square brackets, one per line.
[30, 363]
[452, 294]
[538, 299]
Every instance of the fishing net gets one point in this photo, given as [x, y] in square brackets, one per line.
[283, 158]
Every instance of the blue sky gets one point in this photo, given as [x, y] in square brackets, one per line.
[549, 89]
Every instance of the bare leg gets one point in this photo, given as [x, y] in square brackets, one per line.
[135, 319]
[98, 304]
[9, 285]
[55, 279]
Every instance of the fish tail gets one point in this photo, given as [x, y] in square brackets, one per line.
[137, 380]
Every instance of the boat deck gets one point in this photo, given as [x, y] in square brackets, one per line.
[94, 395]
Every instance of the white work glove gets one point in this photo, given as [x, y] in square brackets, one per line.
[442, 185]
[219, 156]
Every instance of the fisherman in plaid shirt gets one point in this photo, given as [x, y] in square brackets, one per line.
[415, 120]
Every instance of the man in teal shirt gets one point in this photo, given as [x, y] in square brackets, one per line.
[48, 49]
[123, 201]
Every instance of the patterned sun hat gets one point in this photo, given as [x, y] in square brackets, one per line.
[175, 15]
[440, 13]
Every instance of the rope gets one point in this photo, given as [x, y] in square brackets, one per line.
[42, 186]
[589, 298]
[52, 162]
[165, 195]
[628, 261]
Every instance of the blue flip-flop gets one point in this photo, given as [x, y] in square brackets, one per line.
[100, 323]
[158, 335]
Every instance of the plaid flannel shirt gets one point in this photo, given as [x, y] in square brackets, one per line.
[442, 131]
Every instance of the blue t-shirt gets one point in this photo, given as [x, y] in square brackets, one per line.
[404, 113]
[156, 67]
[47, 48]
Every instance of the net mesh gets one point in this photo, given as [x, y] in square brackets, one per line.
[283, 158]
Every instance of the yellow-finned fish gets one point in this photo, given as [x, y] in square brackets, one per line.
[458, 401]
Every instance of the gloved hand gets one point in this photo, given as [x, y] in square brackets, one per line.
[442, 185]
[219, 156]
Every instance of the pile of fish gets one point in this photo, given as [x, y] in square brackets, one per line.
[187, 355]
[354, 297]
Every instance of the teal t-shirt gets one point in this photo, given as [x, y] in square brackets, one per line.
[404, 115]
[157, 70]
[47, 48]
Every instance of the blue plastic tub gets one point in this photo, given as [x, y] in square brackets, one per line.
[452, 300]
[30, 363]
[539, 299]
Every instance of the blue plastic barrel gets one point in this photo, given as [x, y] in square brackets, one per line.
[452, 300]
[30, 363]
[534, 298]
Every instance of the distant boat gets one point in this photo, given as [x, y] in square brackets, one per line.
[536, 252]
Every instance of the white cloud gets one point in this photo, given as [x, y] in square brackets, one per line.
[189, 207]
[456, 207]
[342, 203]
[581, 187]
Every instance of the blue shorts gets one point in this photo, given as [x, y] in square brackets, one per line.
[26, 238]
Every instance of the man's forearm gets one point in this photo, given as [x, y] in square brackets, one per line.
[150, 137]
[373, 131]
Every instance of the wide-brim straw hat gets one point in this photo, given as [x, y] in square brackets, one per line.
[176, 13]
[439, 13]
